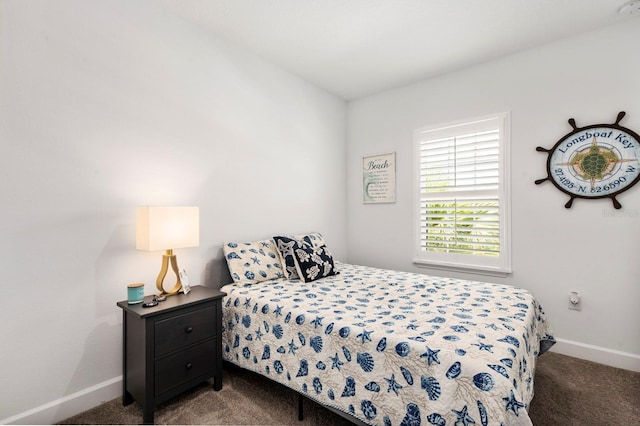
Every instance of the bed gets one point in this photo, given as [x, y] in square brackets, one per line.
[385, 347]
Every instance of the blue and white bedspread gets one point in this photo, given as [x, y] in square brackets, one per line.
[393, 348]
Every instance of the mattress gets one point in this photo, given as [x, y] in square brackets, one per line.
[393, 348]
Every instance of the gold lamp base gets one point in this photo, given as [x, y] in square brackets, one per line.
[166, 258]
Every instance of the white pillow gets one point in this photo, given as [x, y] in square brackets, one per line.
[253, 262]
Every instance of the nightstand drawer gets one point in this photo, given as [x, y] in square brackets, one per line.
[174, 370]
[183, 330]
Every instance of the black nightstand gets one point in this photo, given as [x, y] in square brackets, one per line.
[171, 347]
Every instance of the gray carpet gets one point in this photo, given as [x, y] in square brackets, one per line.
[569, 392]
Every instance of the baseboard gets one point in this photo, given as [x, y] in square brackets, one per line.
[70, 405]
[613, 358]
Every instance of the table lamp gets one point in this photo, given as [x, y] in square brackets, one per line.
[167, 228]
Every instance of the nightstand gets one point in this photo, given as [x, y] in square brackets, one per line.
[171, 347]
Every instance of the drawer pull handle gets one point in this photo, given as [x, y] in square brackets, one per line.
[188, 329]
[188, 366]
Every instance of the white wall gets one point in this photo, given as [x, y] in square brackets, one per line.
[590, 248]
[109, 104]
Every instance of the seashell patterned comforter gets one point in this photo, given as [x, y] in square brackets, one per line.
[393, 348]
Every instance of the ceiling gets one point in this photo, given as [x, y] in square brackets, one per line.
[354, 48]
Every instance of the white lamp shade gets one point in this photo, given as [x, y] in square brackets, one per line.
[167, 228]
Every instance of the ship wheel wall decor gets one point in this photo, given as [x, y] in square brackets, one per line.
[596, 161]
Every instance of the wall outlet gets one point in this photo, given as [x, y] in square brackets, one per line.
[575, 301]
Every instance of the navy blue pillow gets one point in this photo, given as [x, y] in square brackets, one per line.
[285, 246]
[314, 263]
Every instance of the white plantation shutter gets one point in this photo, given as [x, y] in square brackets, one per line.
[462, 212]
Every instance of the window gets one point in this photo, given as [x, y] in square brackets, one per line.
[462, 203]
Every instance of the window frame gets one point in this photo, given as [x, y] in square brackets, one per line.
[485, 265]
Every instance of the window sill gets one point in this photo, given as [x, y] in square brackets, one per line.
[469, 269]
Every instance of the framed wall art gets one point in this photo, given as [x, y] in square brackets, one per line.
[379, 178]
